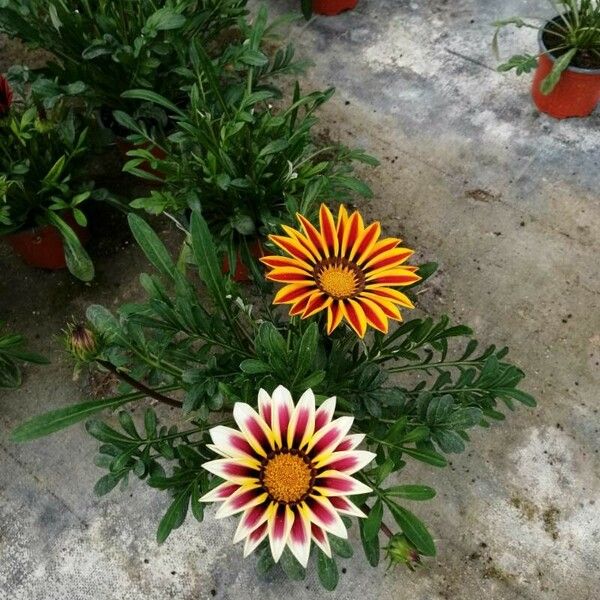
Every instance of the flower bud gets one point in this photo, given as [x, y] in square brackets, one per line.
[401, 550]
[81, 342]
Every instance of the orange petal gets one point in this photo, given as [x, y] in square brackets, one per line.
[391, 294]
[284, 261]
[312, 233]
[393, 277]
[293, 293]
[328, 231]
[292, 247]
[299, 307]
[374, 314]
[335, 314]
[352, 232]
[355, 316]
[289, 275]
[381, 246]
[387, 306]
[390, 258]
[304, 240]
[365, 243]
[317, 302]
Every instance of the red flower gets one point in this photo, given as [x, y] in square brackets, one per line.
[6, 96]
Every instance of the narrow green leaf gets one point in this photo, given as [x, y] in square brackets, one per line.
[372, 523]
[327, 571]
[413, 528]
[151, 245]
[174, 517]
[64, 417]
[411, 492]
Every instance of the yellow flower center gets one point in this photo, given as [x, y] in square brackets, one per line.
[339, 278]
[287, 477]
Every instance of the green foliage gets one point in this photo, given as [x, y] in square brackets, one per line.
[238, 153]
[12, 352]
[222, 350]
[43, 175]
[575, 32]
[110, 46]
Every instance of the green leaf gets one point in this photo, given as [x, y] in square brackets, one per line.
[78, 261]
[174, 517]
[327, 571]
[413, 529]
[371, 547]
[372, 523]
[154, 98]
[106, 484]
[292, 568]
[253, 366]
[206, 260]
[195, 504]
[151, 245]
[64, 417]
[341, 547]
[164, 19]
[560, 65]
[411, 492]
[426, 456]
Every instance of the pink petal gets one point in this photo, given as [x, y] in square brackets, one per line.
[251, 519]
[237, 470]
[324, 413]
[221, 492]
[264, 406]
[320, 538]
[322, 513]
[328, 438]
[348, 462]
[333, 483]
[299, 538]
[302, 423]
[254, 428]
[231, 442]
[245, 497]
[255, 538]
[282, 408]
[280, 525]
[344, 506]
[350, 442]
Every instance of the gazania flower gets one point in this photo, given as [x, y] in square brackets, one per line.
[288, 472]
[6, 96]
[343, 268]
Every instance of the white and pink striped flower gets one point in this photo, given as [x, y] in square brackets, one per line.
[288, 471]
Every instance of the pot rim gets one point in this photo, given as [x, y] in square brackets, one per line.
[547, 52]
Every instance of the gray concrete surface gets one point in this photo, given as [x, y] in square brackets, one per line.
[508, 202]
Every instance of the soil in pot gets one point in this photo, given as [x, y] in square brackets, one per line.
[578, 91]
[333, 7]
[42, 247]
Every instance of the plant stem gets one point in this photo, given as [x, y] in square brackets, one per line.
[140, 386]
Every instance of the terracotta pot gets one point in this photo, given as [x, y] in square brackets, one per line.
[42, 247]
[242, 273]
[125, 146]
[576, 94]
[333, 7]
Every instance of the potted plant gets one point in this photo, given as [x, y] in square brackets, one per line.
[111, 46]
[246, 158]
[326, 7]
[12, 352]
[567, 79]
[43, 185]
[296, 464]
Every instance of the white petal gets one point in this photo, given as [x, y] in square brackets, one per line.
[280, 524]
[281, 413]
[325, 413]
[255, 538]
[254, 428]
[299, 538]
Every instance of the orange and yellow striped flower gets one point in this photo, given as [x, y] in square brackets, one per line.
[287, 471]
[343, 268]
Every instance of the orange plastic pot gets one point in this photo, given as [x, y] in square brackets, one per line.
[242, 273]
[333, 7]
[125, 146]
[576, 94]
[42, 247]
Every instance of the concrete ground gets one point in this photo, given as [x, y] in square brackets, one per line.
[507, 201]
